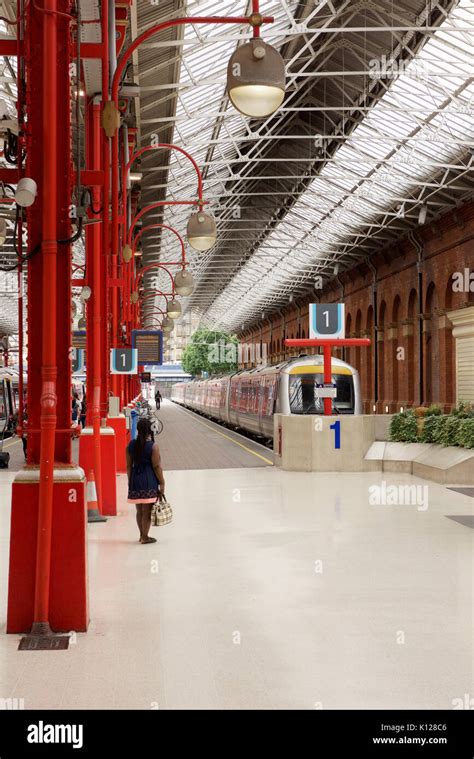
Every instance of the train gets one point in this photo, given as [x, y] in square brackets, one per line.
[248, 399]
[10, 397]
[9, 400]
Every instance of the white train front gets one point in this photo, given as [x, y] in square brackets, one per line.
[248, 399]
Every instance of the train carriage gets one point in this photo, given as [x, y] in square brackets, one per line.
[248, 399]
[9, 400]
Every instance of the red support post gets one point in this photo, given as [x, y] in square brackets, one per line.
[94, 321]
[104, 300]
[48, 503]
[327, 379]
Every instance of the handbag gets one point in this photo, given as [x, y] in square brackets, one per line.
[162, 513]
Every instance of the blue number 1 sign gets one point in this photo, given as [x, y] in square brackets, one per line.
[337, 433]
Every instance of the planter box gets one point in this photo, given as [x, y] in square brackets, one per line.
[448, 466]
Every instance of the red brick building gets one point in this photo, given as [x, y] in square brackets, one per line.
[401, 299]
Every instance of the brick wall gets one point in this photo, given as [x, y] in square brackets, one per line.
[447, 247]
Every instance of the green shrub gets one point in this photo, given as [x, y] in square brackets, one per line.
[448, 430]
[410, 429]
[433, 410]
[396, 426]
[465, 433]
[433, 424]
[439, 430]
[403, 427]
[464, 410]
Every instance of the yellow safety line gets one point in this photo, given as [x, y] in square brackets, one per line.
[13, 443]
[218, 432]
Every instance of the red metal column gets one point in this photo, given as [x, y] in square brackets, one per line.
[115, 381]
[48, 509]
[104, 271]
[94, 322]
[327, 379]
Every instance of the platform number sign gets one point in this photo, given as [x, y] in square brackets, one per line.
[337, 433]
[326, 320]
[77, 355]
[123, 361]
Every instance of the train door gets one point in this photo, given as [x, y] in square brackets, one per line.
[10, 398]
[3, 408]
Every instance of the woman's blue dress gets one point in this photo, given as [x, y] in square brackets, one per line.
[143, 486]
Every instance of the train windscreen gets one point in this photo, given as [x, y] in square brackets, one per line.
[304, 400]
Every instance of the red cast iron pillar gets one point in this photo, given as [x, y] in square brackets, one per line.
[94, 320]
[47, 580]
[105, 252]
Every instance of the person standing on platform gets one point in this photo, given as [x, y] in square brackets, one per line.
[158, 399]
[24, 437]
[76, 407]
[145, 476]
[83, 411]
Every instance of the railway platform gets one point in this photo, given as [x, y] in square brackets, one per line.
[259, 213]
[270, 590]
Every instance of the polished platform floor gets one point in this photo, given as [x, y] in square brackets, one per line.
[270, 590]
[191, 441]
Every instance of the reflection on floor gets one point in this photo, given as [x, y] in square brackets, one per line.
[269, 590]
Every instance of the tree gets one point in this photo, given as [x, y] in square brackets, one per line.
[211, 351]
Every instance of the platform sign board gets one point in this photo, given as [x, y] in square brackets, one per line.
[79, 338]
[123, 361]
[325, 391]
[326, 320]
[77, 360]
[149, 344]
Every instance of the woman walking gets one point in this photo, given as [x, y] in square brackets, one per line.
[145, 476]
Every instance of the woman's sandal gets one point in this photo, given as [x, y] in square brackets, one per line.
[147, 540]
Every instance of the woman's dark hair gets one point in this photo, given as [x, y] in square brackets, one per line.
[144, 431]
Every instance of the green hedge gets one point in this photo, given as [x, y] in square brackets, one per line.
[447, 432]
[456, 428]
[466, 433]
[434, 410]
[430, 429]
[403, 427]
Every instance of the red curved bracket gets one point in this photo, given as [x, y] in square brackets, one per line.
[161, 226]
[164, 146]
[153, 266]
